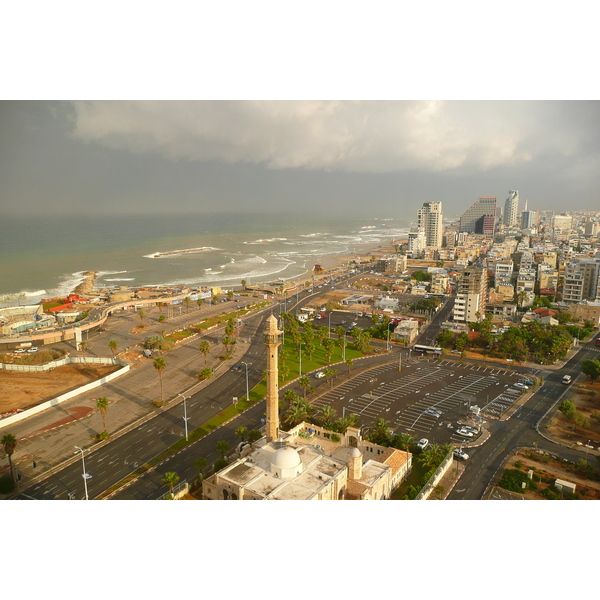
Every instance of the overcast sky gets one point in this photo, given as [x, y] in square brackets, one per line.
[374, 157]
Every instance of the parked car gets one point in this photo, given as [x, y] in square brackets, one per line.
[319, 374]
[471, 429]
[423, 443]
[456, 352]
[433, 412]
[460, 454]
[33, 349]
[464, 432]
[520, 385]
[20, 350]
[567, 379]
[526, 382]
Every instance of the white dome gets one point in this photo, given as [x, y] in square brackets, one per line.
[286, 458]
[354, 452]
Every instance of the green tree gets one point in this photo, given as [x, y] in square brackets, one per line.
[567, 408]
[170, 479]
[113, 346]
[253, 436]
[204, 374]
[242, 433]
[326, 416]
[243, 284]
[141, 314]
[9, 443]
[187, 301]
[162, 318]
[445, 338]
[102, 406]
[304, 383]
[199, 302]
[159, 365]
[591, 368]
[222, 448]
[205, 349]
[349, 363]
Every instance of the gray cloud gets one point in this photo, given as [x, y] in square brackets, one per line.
[362, 137]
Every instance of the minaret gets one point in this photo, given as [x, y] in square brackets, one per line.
[272, 343]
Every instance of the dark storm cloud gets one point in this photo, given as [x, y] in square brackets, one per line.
[372, 157]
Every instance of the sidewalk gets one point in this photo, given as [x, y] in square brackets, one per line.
[49, 437]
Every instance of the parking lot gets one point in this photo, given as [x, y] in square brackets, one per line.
[427, 398]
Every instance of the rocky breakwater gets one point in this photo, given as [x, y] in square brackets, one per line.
[87, 285]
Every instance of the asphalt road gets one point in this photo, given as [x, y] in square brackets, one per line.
[520, 431]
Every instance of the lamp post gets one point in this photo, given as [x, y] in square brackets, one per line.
[247, 389]
[85, 475]
[300, 366]
[329, 325]
[185, 417]
[372, 382]
[344, 357]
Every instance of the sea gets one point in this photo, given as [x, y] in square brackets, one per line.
[44, 256]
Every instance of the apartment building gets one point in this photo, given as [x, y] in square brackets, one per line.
[472, 295]
[582, 280]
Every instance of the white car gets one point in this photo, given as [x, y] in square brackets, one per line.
[423, 443]
[567, 379]
[464, 432]
[520, 385]
[460, 454]
[471, 429]
[319, 374]
[20, 351]
[34, 349]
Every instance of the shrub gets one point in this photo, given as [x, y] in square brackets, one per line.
[220, 463]
[335, 437]
[512, 479]
[518, 465]
[103, 435]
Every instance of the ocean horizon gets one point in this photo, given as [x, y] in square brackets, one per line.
[46, 256]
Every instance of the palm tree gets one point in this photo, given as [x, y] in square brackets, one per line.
[327, 415]
[205, 349]
[295, 414]
[9, 443]
[352, 420]
[187, 301]
[242, 433]
[102, 406]
[142, 315]
[159, 365]
[199, 302]
[170, 479]
[82, 346]
[404, 441]
[243, 284]
[204, 374]
[253, 436]
[113, 346]
[160, 306]
[304, 383]
[222, 447]
[349, 363]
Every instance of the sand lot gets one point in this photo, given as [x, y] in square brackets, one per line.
[23, 390]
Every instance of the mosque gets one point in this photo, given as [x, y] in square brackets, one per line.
[307, 462]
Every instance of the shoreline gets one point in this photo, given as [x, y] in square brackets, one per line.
[328, 262]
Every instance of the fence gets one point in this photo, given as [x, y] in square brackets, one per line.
[67, 396]
[86, 360]
[433, 480]
[180, 490]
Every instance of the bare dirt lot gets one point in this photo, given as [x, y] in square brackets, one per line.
[24, 390]
[586, 397]
[546, 469]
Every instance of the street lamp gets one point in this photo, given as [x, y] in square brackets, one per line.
[185, 417]
[372, 382]
[344, 357]
[247, 389]
[85, 475]
[329, 325]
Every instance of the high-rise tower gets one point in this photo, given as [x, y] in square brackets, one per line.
[272, 343]
[473, 219]
[511, 209]
[430, 222]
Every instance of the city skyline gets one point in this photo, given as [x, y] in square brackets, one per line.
[371, 157]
